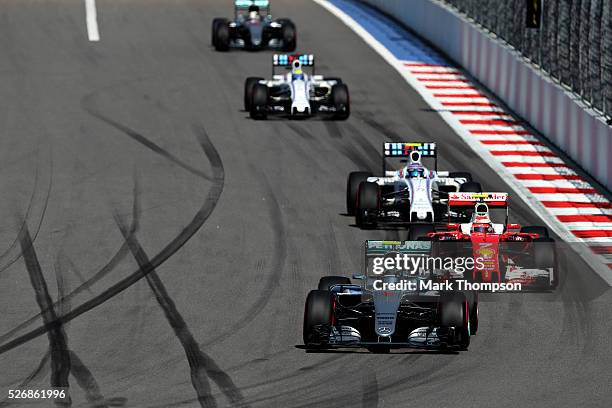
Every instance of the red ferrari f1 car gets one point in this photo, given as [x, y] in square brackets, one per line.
[504, 252]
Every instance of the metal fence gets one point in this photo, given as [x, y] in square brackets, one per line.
[573, 44]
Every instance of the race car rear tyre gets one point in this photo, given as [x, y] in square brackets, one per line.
[221, 34]
[470, 187]
[213, 35]
[472, 300]
[317, 318]
[326, 282]
[341, 101]
[454, 313]
[418, 232]
[289, 36]
[460, 174]
[352, 187]
[259, 102]
[249, 84]
[544, 255]
[368, 201]
[533, 229]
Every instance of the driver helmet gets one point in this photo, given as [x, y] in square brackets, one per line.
[482, 227]
[296, 71]
[480, 219]
[253, 12]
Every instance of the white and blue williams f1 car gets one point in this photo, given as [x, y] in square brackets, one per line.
[253, 28]
[412, 194]
[296, 93]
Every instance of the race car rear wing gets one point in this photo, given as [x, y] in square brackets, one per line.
[286, 61]
[498, 200]
[381, 248]
[404, 149]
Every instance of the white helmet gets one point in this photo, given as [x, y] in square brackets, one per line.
[296, 70]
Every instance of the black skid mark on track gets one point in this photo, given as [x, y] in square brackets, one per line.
[79, 371]
[143, 140]
[170, 249]
[58, 345]
[201, 365]
[25, 220]
[63, 361]
[88, 383]
[279, 259]
[42, 214]
[101, 273]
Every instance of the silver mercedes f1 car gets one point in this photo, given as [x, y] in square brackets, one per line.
[296, 94]
[253, 28]
[341, 314]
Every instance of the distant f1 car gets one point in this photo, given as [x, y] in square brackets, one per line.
[295, 93]
[409, 195]
[508, 252]
[342, 314]
[253, 28]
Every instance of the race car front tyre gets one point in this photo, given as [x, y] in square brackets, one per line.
[471, 187]
[220, 34]
[318, 313]
[341, 101]
[326, 282]
[259, 102]
[249, 84]
[289, 36]
[352, 187]
[213, 34]
[418, 232]
[541, 231]
[368, 202]
[455, 314]
[216, 22]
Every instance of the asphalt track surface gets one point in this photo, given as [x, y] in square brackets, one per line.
[181, 237]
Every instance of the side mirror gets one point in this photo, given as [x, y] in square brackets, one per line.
[514, 226]
[360, 277]
[452, 226]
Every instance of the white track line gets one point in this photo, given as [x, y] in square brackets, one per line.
[505, 172]
[91, 18]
